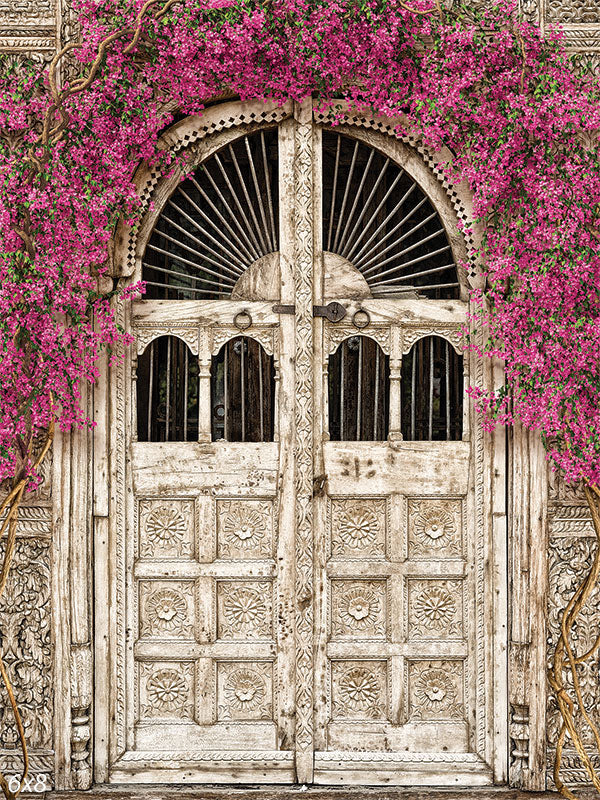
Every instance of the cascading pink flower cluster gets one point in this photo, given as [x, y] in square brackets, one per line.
[518, 116]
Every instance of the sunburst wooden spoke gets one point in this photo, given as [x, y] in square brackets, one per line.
[377, 218]
[217, 223]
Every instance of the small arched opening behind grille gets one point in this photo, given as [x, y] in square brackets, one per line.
[432, 391]
[167, 392]
[242, 392]
[358, 391]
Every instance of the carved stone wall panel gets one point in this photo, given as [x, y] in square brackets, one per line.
[27, 650]
[166, 528]
[244, 610]
[570, 557]
[244, 529]
[166, 690]
[359, 609]
[167, 609]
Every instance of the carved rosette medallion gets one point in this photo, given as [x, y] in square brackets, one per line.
[434, 528]
[436, 690]
[245, 691]
[358, 528]
[166, 609]
[359, 690]
[435, 609]
[245, 529]
[166, 528]
[166, 690]
[358, 609]
[244, 609]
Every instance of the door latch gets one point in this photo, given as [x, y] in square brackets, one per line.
[334, 312]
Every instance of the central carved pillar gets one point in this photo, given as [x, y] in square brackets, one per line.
[303, 443]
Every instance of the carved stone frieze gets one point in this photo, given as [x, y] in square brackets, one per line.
[337, 334]
[146, 334]
[264, 336]
[575, 12]
[21, 13]
[412, 335]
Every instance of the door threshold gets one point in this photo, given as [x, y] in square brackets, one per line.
[296, 792]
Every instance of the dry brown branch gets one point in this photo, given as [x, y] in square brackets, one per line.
[564, 660]
[10, 505]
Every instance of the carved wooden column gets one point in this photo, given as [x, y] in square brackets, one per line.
[528, 593]
[303, 447]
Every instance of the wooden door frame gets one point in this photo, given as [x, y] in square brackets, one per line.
[84, 530]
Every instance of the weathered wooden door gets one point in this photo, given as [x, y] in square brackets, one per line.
[303, 571]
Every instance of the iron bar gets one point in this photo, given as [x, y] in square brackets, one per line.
[247, 256]
[345, 198]
[430, 388]
[357, 194]
[251, 238]
[334, 191]
[374, 214]
[262, 246]
[268, 185]
[263, 216]
[365, 206]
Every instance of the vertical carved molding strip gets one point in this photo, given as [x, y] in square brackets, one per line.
[81, 703]
[303, 443]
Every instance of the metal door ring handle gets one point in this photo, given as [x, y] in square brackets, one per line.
[361, 319]
[242, 320]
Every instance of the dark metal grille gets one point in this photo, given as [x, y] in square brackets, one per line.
[432, 391]
[242, 392]
[380, 220]
[217, 223]
[167, 392]
[358, 391]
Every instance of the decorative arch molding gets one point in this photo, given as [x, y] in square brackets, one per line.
[453, 336]
[145, 336]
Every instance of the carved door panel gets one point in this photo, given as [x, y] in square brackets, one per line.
[208, 668]
[401, 642]
[403, 677]
[299, 563]
[202, 671]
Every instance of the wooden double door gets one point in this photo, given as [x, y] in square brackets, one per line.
[301, 583]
